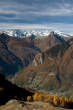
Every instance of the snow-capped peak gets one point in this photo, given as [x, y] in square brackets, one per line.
[22, 33]
[37, 34]
[62, 34]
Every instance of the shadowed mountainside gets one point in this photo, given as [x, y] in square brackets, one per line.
[9, 62]
[10, 91]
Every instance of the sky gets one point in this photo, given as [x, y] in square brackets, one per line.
[37, 14]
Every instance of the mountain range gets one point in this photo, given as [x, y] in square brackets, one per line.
[23, 33]
[37, 61]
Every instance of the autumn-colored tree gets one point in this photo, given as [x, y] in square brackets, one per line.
[56, 100]
[41, 97]
[29, 98]
[35, 96]
[62, 101]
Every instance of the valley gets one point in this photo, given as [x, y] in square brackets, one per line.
[35, 64]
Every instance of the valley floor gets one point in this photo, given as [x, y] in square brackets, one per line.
[16, 105]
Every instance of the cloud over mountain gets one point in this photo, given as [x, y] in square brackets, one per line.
[36, 12]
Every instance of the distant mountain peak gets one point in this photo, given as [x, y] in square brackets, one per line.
[35, 34]
[51, 33]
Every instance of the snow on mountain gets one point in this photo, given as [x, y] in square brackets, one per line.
[15, 33]
[22, 33]
[62, 34]
[37, 34]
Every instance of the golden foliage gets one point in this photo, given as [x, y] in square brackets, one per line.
[29, 98]
[54, 99]
[35, 96]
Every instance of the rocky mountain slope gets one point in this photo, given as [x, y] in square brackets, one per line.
[43, 64]
[16, 52]
[9, 62]
[41, 58]
[51, 71]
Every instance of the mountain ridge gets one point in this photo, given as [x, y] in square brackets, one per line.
[24, 34]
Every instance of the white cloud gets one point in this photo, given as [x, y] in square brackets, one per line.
[65, 28]
[23, 11]
[33, 11]
[22, 26]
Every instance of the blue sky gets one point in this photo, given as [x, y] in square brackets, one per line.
[33, 14]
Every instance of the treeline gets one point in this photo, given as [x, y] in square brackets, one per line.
[53, 99]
